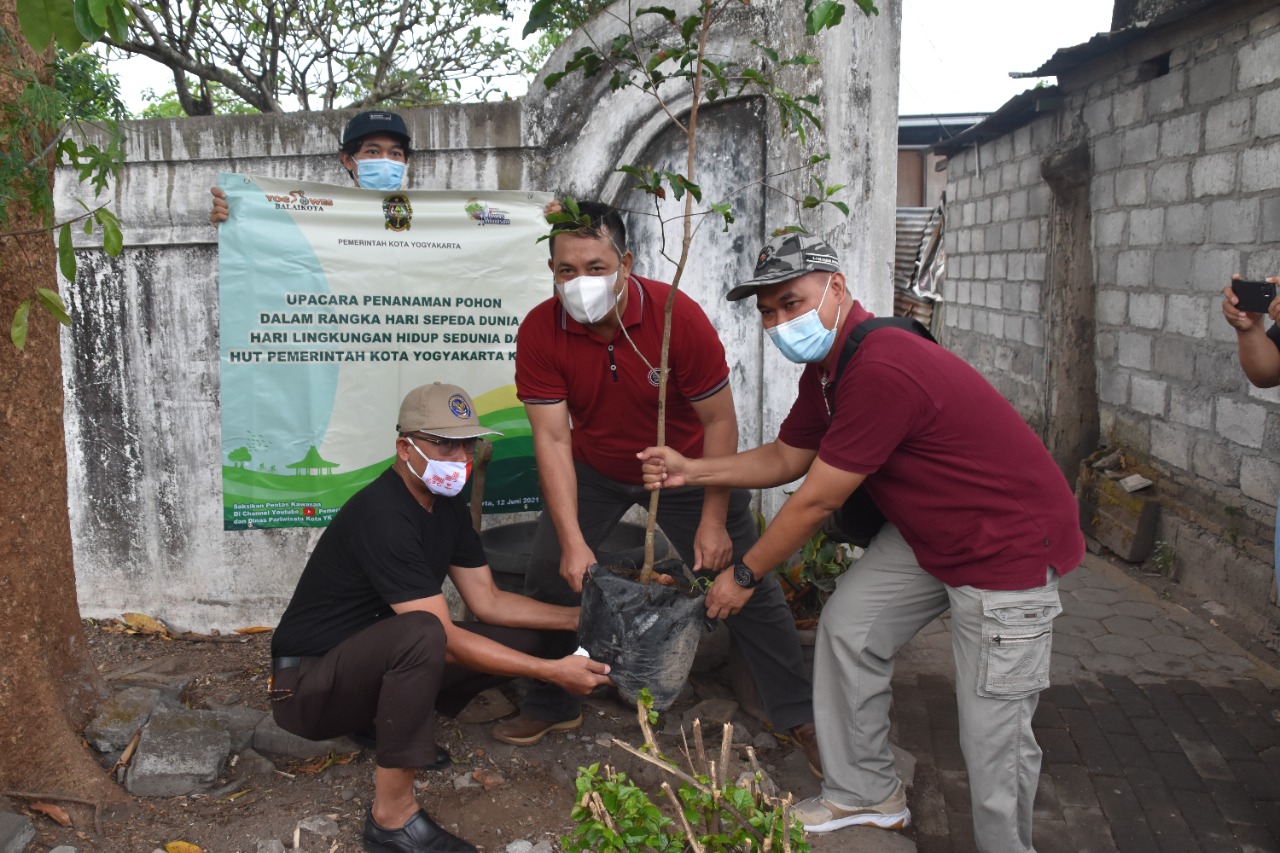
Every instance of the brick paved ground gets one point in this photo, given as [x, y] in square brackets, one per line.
[1159, 734]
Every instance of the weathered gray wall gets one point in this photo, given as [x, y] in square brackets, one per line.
[141, 361]
[1185, 190]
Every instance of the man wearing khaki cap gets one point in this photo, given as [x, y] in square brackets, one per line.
[980, 521]
[366, 645]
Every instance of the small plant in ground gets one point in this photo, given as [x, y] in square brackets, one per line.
[713, 813]
[1162, 558]
[809, 578]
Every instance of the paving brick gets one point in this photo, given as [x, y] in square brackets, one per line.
[1047, 716]
[955, 790]
[1174, 713]
[1258, 780]
[1130, 750]
[946, 750]
[1178, 772]
[1112, 719]
[1072, 784]
[1132, 701]
[1065, 695]
[1057, 745]
[1172, 833]
[1234, 802]
[1124, 814]
[1053, 836]
[1260, 735]
[1092, 743]
[1255, 839]
[1232, 744]
[1089, 830]
[1201, 814]
[1206, 759]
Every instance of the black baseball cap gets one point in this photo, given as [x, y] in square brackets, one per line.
[375, 121]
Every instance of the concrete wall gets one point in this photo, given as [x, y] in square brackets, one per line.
[141, 361]
[1183, 189]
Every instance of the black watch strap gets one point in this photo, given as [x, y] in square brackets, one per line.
[743, 576]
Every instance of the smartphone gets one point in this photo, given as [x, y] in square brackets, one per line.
[1254, 296]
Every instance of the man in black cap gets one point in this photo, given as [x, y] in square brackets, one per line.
[375, 151]
[367, 647]
[980, 522]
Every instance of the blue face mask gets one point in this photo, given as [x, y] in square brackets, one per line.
[804, 339]
[382, 175]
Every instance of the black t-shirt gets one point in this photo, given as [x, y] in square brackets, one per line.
[382, 548]
[1274, 334]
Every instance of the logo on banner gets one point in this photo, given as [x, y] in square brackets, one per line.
[483, 214]
[298, 200]
[398, 212]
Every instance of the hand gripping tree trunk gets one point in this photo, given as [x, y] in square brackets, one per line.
[47, 684]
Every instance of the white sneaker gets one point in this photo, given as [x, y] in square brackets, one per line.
[819, 815]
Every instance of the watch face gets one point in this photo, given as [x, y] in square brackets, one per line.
[743, 575]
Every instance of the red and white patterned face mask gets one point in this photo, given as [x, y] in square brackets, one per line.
[441, 477]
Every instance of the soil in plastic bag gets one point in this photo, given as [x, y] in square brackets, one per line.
[647, 633]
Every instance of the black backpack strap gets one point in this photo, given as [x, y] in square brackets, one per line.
[866, 327]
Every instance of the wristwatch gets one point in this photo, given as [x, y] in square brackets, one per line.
[743, 576]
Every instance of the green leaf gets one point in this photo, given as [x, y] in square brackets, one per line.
[818, 158]
[98, 11]
[841, 206]
[37, 27]
[690, 26]
[87, 20]
[669, 14]
[66, 253]
[112, 239]
[541, 17]
[766, 50]
[117, 22]
[18, 329]
[53, 303]
[62, 15]
[825, 15]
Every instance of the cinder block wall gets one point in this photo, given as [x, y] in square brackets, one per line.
[1184, 190]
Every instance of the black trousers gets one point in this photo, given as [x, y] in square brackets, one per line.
[390, 678]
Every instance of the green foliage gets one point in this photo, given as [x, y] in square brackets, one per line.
[323, 54]
[169, 105]
[38, 134]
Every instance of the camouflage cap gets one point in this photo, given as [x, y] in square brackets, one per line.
[784, 258]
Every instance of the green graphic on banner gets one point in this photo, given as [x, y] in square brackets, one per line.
[334, 303]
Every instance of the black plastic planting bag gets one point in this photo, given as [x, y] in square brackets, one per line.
[647, 633]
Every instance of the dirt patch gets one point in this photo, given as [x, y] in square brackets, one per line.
[493, 795]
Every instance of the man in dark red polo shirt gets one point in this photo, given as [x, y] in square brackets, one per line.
[586, 370]
[980, 522]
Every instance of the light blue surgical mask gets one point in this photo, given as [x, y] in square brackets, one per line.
[381, 175]
[804, 339]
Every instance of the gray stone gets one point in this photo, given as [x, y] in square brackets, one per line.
[712, 712]
[16, 832]
[1165, 663]
[521, 846]
[1227, 124]
[1214, 174]
[543, 846]
[764, 741]
[119, 718]
[1180, 136]
[1146, 227]
[1113, 644]
[1133, 268]
[1243, 423]
[1260, 168]
[1135, 350]
[1267, 112]
[1129, 626]
[1171, 443]
[1260, 62]
[1078, 626]
[1131, 187]
[323, 825]
[1147, 395]
[1185, 224]
[1168, 184]
[1184, 646]
[1259, 479]
[1109, 664]
[1210, 80]
[268, 737]
[1188, 315]
[252, 763]
[1234, 221]
[179, 751]
[271, 845]
[240, 722]
[63, 848]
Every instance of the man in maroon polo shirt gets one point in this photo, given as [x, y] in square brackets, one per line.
[587, 371]
[980, 522]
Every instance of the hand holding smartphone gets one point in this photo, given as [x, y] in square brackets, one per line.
[1254, 297]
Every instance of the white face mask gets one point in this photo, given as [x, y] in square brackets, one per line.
[588, 298]
[441, 477]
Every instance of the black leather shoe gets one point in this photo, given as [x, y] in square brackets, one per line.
[420, 834]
